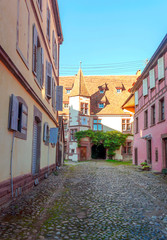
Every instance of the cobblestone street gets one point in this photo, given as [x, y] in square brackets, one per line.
[91, 200]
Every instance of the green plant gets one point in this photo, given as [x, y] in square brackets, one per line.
[111, 140]
[143, 164]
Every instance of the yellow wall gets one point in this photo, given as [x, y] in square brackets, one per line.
[22, 155]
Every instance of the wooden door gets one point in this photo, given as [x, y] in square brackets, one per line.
[83, 153]
[136, 157]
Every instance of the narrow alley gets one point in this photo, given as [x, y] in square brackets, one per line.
[91, 200]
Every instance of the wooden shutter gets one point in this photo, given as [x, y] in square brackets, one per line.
[13, 113]
[145, 87]
[161, 68]
[59, 98]
[55, 53]
[48, 83]
[136, 98]
[53, 45]
[24, 117]
[34, 57]
[53, 94]
[152, 78]
[42, 67]
[48, 22]
[38, 70]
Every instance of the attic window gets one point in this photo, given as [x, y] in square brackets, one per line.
[101, 91]
[101, 105]
[68, 91]
[119, 90]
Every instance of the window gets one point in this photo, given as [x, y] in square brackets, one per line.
[153, 114]
[136, 98]
[68, 91]
[152, 78]
[145, 87]
[37, 58]
[119, 90]
[156, 154]
[161, 72]
[54, 49]
[84, 120]
[40, 4]
[18, 115]
[48, 23]
[53, 94]
[137, 125]
[66, 105]
[46, 134]
[97, 126]
[84, 108]
[146, 119]
[126, 125]
[48, 82]
[101, 91]
[161, 110]
[72, 134]
[127, 149]
[101, 105]
[72, 150]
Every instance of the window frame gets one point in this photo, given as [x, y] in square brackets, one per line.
[98, 124]
[137, 125]
[48, 23]
[84, 108]
[72, 135]
[126, 147]
[146, 119]
[162, 109]
[100, 105]
[67, 107]
[126, 124]
[153, 115]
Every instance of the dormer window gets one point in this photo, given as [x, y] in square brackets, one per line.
[101, 105]
[101, 91]
[119, 90]
[68, 91]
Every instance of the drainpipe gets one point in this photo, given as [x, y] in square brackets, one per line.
[11, 164]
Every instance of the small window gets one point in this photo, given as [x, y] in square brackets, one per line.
[68, 91]
[72, 150]
[48, 23]
[84, 108]
[161, 109]
[153, 114]
[137, 125]
[18, 116]
[101, 91]
[146, 119]
[97, 126]
[101, 105]
[46, 134]
[126, 125]
[66, 105]
[127, 149]
[119, 90]
[72, 134]
[156, 155]
[38, 58]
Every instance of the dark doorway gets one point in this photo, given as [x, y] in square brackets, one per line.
[98, 152]
[149, 152]
[136, 157]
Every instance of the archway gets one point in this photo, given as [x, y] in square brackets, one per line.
[98, 152]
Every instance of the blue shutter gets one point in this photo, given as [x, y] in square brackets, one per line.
[53, 135]
[59, 98]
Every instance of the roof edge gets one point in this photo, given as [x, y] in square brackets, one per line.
[57, 20]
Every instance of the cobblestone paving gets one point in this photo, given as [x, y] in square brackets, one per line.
[91, 200]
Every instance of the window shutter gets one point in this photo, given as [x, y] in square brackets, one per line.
[48, 22]
[53, 94]
[34, 61]
[13, 113]
[152, 78]
[49, 80]
[42, 67]
[24, 117]
[53, 45]
[55, 53]
[59, 98]
[53, 135]
[160, 68]
[38, 70]
[145, 88]
[136, 98]
[45, 132]
[46, 80]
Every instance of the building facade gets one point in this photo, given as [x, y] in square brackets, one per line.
[94, 102]
[150, 90]
[30, 37]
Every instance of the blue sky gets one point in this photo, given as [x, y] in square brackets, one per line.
[110, 37]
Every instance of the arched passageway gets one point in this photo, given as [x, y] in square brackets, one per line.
[98, 152]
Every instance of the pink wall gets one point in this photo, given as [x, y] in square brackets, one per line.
[145, 103]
